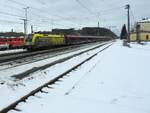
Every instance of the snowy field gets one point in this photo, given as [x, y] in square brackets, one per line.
[114, 81]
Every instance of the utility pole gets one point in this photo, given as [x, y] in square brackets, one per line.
[32, 29]
[128, 17]
[24, 25]
[138, 33]
[12, 30]
[52, 21]
[98, 24]
[26, 21]
[98, 29]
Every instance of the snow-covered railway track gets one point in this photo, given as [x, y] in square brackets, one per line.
[51, 81]
[13, 53]
[14, 60]
[32, 70]
[8, 58]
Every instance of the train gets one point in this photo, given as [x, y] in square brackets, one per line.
[42, 41]
[39, 41]
[12, 43]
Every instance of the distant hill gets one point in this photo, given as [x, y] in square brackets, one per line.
[97, 31]
[70, 31]
[92, 31]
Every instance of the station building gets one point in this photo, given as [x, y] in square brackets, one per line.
[141, 32]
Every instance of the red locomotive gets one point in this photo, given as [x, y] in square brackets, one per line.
[17, 42]
[3, 43]
[12, 42]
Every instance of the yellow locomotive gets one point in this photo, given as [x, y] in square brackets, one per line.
[37, 40]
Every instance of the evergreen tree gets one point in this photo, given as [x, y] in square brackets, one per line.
[124, 33]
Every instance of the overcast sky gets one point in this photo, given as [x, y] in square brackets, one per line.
[48, 14]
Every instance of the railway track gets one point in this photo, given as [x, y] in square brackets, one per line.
[13, 53]
[50, 82]
[15, 60]
[20, 55]
[33, 70]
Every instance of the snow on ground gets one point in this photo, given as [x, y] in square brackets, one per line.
[115, 81]
[11, 51]
[7, 73]
[12, 90]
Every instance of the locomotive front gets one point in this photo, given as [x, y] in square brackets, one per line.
[41, 41]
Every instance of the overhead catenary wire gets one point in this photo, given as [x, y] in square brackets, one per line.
[54, 23]
[100, 13]
[13, 8]
[10, 21]
[60, 17]
[39, 10]
[84, 6]
[111, 9]
[10, 14]
[47, 16]
[20, 4]
[44, 16]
